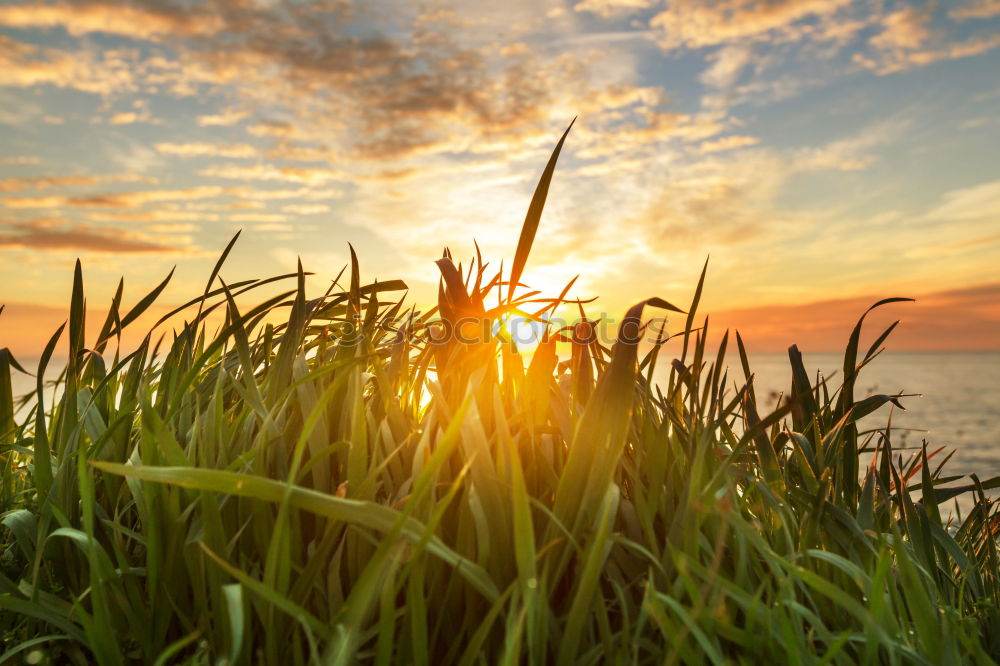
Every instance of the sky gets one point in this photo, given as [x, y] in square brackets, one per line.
[821, 153]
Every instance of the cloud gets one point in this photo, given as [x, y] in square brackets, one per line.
[695, 24]
[968, 203]
[306, 193]
[653, 128]
[957, 247]
[967, 49]
[113, 199]
[716, 203]
[378, 95]
[977, 9]
[269, 172]
[958, 319]
[20, 160]
[26, 65]
[727, 143]
[237, 205]
[224, 118]
[374, 92]
[48, 182]
[133, 21]
[300, 153]
[306, 209]
[907, 39]
[837, 156]
[127, 118]
[198, 149]
[139, 114]
[852, 153]
[273, 227]
[727, 65]
[276, 128]
[58, 235]
[156, 215]
[170, 228]
[608, 8]
[904, 29]
[258, 217]
[905, 36]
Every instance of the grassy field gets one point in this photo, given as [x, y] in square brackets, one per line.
[352, 486]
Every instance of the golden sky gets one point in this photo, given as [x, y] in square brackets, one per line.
[824, 153]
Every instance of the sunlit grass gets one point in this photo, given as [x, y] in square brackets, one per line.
[337, 489]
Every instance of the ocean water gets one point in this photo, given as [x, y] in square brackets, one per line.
[957, 401]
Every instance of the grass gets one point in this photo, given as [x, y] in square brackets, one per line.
[336, 489]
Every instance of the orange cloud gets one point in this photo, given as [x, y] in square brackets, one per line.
[197, 149]
[44, 183]
[158, 215]
[127, 118]
[695, 24]
[306, 209]
[57, 235]
[258, 217]
[727, 143]
[656, 127]
[276, 128]
[977, 9]
[223, 119]
[307, 193]
[904, 29]
[47, 182]
[608, 8]
[268, 172]
[118, 19]
[20, 160]
[113, 200]
[958, 319]
[978, 202]
[25, 327]
[906, 40]
[25, 65]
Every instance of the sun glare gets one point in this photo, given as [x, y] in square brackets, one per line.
[526, 333]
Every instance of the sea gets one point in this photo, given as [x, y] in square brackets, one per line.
[951, 399]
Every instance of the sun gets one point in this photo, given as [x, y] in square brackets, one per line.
[524, 332]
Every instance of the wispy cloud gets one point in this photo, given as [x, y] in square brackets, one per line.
[224, 118]
[49, 182]
[196, 149]
[978, 202]
[607, 8]
[58, 235]
[26, 65]
[694, 24]
[727, 143]
[131, 21]
[306, 209]
[258, 217]
[168, 215]
[957, 319]
[907, 39]
[113, 199]
[20, 160]
[976, 9]
[268, 172]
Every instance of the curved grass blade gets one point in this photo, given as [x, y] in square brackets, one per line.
[534, 216]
